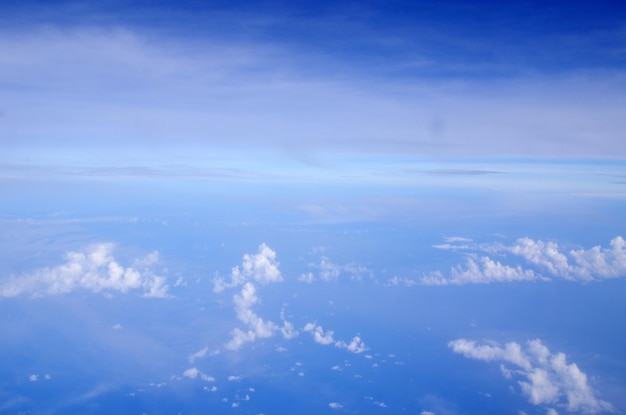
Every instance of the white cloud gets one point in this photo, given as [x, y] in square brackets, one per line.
[93, 269]
[427, 413]
[261, 267]
[319, 336]
[335, 405]
[33, 378]
[191, 373]
[481, 271]
[233, 378]
[194, 373]
[548, 378]
[326, 338]
[355, 346]
[199, 354]
[117, 327]
[578, 264]
[550, 261]
[396, 281]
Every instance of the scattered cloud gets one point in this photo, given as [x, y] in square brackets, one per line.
[335, 405]
[326, 338]
[329, 271]
[194, 373]
[93, 269]
[33, 378]
[546, 377]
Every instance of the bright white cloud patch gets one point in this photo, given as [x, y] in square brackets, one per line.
[548, 259]
[578, 264]
[546, 377]
[93, 269]
[335, 405]
[261, 267]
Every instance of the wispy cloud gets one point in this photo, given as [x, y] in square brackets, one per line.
[329, 271]
[93, 269]
[547, 377]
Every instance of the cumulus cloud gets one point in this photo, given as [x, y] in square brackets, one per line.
[93, 269]
[547, 259]
[335, 405]
[481, 270]
[326, 338]
[578, 264]
[546, 377]
[261, 267]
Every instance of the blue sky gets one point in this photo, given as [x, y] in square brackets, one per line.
[328, 207]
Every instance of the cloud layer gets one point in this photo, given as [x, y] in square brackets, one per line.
[92, 269]
[546, 377]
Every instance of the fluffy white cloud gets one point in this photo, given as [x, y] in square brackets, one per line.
[335, 405]
[261, 267]
[577, 264]
[326, 338]
[550, 261]
[547, 377]
[481, 270]
[93, 269]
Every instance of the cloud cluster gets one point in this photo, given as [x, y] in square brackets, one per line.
[261, 268]
[547, 378]
[93, 269]
[547, 259]
[326, 338]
